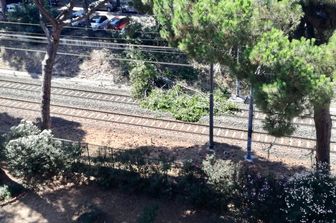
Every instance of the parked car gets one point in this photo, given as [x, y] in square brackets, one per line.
[75, 15]
[12, 7]
[99, 22]
[111, 6]
[127, 8]
[117, 23]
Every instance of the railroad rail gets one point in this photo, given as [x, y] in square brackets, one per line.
[196, 129]
[105, 96]
[69, 91]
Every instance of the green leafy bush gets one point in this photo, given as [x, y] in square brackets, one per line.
[221, 174]
[182, 106]
[5, 193]
[25, 128]
[26, 13]
[142, 78]
[258, 197]
[310, 197]
[186, 107]
[36, 155]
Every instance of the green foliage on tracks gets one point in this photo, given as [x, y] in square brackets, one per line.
[187, 107]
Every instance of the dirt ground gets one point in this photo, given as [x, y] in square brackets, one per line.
[61, 205]
[64, 205]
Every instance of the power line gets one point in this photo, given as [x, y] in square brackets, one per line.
[78, 45]
[69, 27]
[94, 43]
[81, 43]
[88, 37]
[114, 58]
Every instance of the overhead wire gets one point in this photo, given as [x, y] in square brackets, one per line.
[85, 43]
[113, 58]
[90, 37]
[98, 42]
[70, 27]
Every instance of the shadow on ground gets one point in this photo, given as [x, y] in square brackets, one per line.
[59, 125]
[62, 204]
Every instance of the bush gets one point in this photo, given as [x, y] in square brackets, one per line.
[26, 13]
[25, 128]
[221, 174]
[142, 78]
[258, 197]
[36, 155]
[5, 194]
[310, 197]
[186, 107]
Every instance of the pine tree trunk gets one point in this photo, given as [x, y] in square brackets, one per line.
[323, 134]
[47, 68]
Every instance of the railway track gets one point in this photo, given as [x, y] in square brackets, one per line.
[104, 96]
[67, 91]
[157, 124]
[303, 121]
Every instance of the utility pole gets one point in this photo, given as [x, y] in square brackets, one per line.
[250, 128]
[211, 104]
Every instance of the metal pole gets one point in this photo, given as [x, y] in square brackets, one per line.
[237, 88]
[211, 113]
[237, 80]
[250, 128]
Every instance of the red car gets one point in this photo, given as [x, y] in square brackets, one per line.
[118, 23]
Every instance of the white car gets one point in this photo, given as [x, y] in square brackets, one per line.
[12, 7]
[99, 22]
[75, 15]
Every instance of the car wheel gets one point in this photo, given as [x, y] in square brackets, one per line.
[109, 9]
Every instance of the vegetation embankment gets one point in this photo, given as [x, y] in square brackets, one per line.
[237, 189]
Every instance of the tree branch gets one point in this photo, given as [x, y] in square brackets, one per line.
[45, 13]
[86, 15]
[66, 12]
[44, 27]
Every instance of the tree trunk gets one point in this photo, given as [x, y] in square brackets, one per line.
[47, 68]
[323, 134]
[3, 8]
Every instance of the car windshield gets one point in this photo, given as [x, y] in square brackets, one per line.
[95, 19]
[114, 21]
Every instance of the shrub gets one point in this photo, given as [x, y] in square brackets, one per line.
[5, 194]
[26, 13]
[25, 128]
[221, 174]
[310, 197]
[36, 155]
[182, 106]
[142, 78]
[186, 107]
[258, 197]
